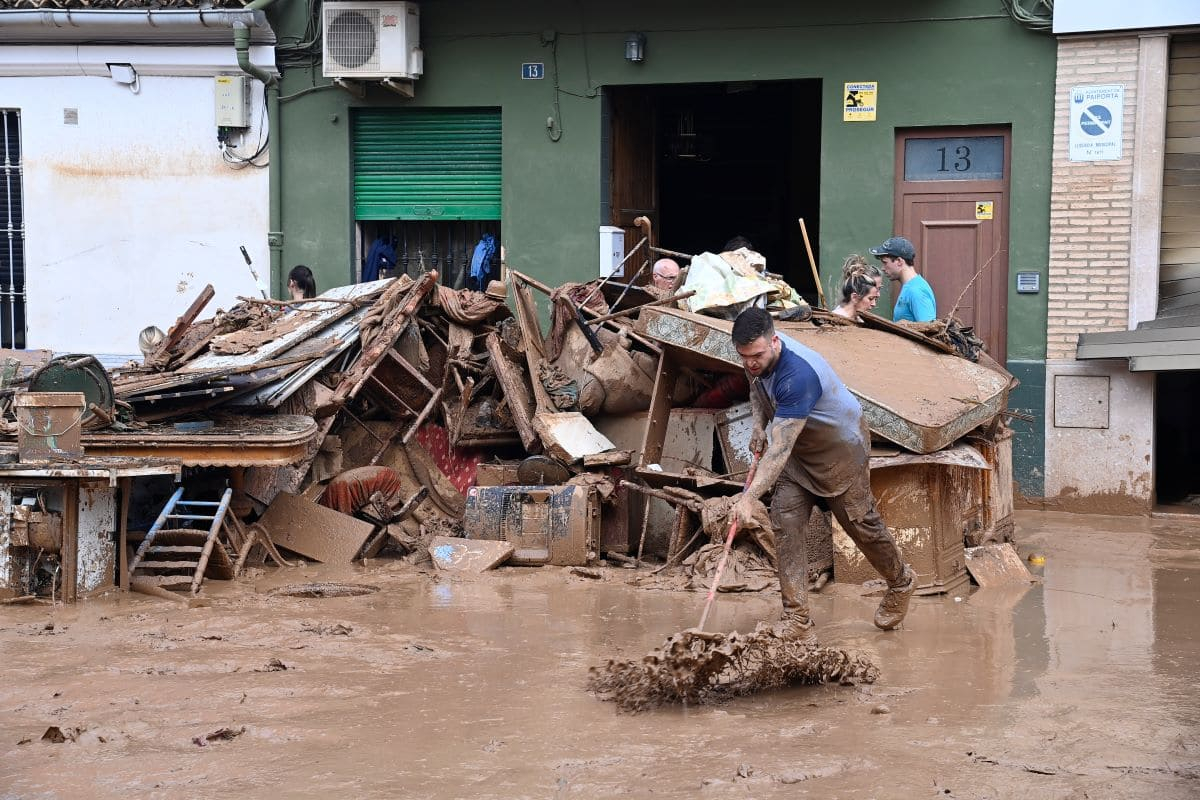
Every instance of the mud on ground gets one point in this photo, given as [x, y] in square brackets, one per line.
[444, 687]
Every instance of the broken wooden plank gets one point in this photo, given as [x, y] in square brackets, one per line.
[875, 321]
[569, 436]
[504, 473]
[459, 341]
[665, 301]
[531, 335]
[616, 458]
[383, 340]
[468, 555]
[516, 391]
[996, 565]
[314, 531]
[162, 354]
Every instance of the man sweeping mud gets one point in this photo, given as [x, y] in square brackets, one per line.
[816, 446]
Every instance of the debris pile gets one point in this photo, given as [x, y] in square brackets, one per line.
[694, 666]
[380, 416]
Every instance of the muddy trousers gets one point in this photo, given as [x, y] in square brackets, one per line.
[854, 510]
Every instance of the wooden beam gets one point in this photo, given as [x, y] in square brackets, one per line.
[162, 354]
[516, 391]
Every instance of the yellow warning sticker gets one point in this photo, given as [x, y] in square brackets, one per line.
[858, 101]
[983, 209]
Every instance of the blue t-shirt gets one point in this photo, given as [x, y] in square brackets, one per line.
[834, 445]
[916, 302]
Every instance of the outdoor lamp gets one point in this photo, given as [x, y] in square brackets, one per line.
[635, 47]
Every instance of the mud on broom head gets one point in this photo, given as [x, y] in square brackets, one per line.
[697, 667]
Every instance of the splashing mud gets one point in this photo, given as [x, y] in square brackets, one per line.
[698, 667]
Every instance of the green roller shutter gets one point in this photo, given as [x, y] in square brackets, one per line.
[423, 165]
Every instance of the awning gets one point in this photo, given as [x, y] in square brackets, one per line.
[1167, 344]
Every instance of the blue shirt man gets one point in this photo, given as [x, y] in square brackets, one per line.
[802, 385]
[916, 302]
[814, 443]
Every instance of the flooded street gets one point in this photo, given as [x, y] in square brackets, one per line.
[442, 686]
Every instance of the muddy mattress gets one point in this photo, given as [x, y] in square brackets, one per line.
[921, 399]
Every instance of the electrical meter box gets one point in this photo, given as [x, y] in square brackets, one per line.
[612, 249]
[233, 101]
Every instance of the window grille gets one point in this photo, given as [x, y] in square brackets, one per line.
[12, 233]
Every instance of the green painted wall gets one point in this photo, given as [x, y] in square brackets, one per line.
[940, 63]
[956, 62]
[1029, 437]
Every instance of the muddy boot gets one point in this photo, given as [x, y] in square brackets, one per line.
[796, 625]
[894, 605]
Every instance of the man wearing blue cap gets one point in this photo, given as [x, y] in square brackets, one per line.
[916, 302]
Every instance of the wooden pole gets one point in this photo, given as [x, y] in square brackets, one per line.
[123, 544]
[663, 302]
[812, 262]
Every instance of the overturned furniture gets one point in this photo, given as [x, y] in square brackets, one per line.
[932, 503]
[61, 527]
[930, 488]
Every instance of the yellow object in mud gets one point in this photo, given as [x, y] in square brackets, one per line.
[1037, 560]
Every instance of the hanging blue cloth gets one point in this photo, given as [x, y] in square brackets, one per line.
[381, 256]
[481, 261]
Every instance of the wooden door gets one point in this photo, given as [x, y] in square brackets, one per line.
[952, 202]
[634, 178]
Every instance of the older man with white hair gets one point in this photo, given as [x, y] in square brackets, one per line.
[665, 275]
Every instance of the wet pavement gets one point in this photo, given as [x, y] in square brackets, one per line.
[1083, 686]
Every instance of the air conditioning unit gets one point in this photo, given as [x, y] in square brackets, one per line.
[372, 40]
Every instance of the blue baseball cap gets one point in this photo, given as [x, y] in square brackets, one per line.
[897, 247]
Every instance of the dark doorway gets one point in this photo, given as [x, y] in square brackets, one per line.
[1177, 441]
[707, 162]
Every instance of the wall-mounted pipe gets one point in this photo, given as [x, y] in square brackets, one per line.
[241, 42]
[16, 22]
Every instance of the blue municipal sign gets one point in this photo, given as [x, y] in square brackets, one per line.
[533, 71]
[1095, 120]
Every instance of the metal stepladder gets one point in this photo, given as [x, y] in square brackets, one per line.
[177, 551]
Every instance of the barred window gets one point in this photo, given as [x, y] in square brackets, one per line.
[12, 233]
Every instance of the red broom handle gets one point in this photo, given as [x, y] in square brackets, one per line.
[733, 529]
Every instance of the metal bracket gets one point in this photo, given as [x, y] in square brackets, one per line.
[355, 88]
[405, 89]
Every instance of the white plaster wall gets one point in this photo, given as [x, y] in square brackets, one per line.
[96, 551]
[129, 213]
[10, 571]
[1109, 469]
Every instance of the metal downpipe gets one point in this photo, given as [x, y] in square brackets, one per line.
[241, 43]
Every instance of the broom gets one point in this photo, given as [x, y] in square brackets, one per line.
[695, 667]
[733, 529]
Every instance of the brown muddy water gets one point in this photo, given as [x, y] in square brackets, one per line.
[446, 687]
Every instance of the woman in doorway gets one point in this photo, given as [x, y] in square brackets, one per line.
[860, 287]
[301, 284]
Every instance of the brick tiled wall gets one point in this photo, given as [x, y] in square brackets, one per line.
[1090, 204]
